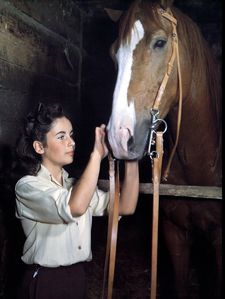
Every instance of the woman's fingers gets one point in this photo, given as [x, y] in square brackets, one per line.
[100, 140]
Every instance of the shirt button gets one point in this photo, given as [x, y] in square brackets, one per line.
[76, 223]
[79, 247]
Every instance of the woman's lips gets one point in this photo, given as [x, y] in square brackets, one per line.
[70, 153]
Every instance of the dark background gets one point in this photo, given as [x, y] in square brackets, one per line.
[59, 51]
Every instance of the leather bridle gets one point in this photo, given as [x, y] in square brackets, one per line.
[156, 141]
[175, 54]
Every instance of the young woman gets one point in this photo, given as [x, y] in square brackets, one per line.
[55, 211]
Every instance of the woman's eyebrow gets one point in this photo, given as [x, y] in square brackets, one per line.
[60, 132]
[63, 132]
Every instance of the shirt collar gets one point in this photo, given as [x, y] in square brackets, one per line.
[45, 173]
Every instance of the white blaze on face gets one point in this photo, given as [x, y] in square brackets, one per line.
[122, 120]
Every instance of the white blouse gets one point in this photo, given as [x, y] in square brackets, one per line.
[53, 236]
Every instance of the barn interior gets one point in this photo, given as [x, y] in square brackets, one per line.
[58, 51]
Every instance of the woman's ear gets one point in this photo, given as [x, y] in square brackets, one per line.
[38, 147]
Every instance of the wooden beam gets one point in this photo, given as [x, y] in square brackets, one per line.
[210, 192]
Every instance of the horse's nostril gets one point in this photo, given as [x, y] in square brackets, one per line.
[130, 143]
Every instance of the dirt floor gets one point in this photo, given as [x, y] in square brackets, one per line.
[132, 272]
[132, 277]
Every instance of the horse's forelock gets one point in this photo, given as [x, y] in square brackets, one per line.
[140, 9]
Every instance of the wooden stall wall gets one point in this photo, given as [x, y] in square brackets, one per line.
[40, 60]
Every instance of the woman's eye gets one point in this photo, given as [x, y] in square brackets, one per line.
[61, 137]
[159, 44]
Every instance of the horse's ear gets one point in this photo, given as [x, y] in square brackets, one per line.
[166, 3]
[113, 14]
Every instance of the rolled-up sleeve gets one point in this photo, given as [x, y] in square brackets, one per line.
[38, 201]
[99, 203]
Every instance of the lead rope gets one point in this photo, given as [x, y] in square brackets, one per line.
[114, 194]
[156, 178]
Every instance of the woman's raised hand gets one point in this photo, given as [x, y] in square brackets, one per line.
[100, 145]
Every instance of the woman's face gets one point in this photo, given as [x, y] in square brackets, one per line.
[59, 149]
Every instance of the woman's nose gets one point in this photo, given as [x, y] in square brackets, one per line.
[72, 142]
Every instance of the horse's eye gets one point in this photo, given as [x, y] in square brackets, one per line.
[159, 44]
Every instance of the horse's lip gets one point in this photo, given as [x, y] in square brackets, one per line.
[128, 156]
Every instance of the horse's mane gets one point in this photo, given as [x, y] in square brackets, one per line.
[203, 62]
[204, 66]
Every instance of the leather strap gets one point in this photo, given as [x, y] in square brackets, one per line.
[179, 115]
[171, 61]
[156, 178]
[109, 267]
[175, 54]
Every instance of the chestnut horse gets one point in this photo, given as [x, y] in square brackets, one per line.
[142, 52]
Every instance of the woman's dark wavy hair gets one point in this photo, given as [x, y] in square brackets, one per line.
[37, 124]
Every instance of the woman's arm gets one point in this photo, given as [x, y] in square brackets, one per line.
[84, 189]
[130, 188]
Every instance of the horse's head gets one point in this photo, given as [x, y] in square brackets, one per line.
[141, 52]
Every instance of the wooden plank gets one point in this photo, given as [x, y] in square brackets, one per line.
[176, 190]
[52, 37]
[28, 44]
[63, 17]
[36, 58]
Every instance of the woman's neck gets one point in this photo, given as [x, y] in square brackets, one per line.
[56, 172]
